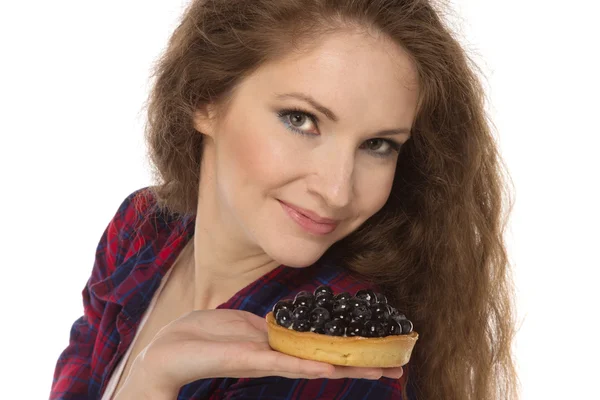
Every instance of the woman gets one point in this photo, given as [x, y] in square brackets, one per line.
[300, 143]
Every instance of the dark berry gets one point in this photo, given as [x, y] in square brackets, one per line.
[374, 329]
[407, 326]
[323, 289]
[300, 314]
[379, 312]
[341, 305]
[394, 328]
[343, 315]
[380, 298]
[301, 326]
[284, 317]
[306, 300]
[396, 315]
[355, 302]
[318, 329]
[361, 313]
[335, 327]
[366, 294]
[319, 316]
[384, 325]
[356, 328]
[287, 304]
[324, 300]
[342, 296]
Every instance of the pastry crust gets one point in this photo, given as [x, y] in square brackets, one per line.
[389, 351]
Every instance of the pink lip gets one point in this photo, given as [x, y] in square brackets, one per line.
[309, 220]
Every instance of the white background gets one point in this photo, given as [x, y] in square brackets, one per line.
[73, 80]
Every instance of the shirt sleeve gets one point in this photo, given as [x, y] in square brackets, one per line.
[325, 389]
[73, 371]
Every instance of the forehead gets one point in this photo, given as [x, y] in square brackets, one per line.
[349, 72]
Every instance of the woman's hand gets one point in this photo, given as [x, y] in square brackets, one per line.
[222, 343]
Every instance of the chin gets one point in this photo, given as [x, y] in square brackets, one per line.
[297, 257]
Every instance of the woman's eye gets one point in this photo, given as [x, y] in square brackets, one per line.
[381, 147]
[298, 121]
[377, 145]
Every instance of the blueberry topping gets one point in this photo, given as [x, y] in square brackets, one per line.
[374, 329]
[366, 314]
[343, 296]
[407, 326]
[318, 316]
[318, 329]
[366, 294]
[390, 309]
[287, 304]
[380, 298]
[379, 312]
[341, 305]
[394, 328]
[335, 327]
[325, 300]
[361, 313]
[306, 300]
[396, 315]
[356, 302]
[301, 326]
[343, 315]
[356, 328]
[384, 325]
[300, 314]
[284, 317]
[323, 289]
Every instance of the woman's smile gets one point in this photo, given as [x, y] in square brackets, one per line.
[308, 220]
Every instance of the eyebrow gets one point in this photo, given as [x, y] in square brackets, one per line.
[331, 115]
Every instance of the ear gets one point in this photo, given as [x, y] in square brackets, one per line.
[204, 120]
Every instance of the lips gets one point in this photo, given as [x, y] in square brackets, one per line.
[309, 220]
[315, 217]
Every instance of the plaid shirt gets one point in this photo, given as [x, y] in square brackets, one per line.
[136, 250]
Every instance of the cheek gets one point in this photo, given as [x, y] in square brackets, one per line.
[373, 190]
[255, 160]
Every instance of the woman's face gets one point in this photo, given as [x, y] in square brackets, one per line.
[293, 183]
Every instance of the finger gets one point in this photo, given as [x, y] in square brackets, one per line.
[341, 372]
[284, 364]
[394, 373]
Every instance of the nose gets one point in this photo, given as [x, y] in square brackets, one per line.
[333, 178]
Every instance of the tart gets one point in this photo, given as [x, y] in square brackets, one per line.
[361, 330]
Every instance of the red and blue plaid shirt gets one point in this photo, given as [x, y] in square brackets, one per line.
[136, 250]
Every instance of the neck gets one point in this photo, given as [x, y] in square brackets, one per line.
[223, 261]
[219, 272]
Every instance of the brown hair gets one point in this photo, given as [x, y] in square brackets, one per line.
[436, 248]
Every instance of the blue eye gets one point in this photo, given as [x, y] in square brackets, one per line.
[292, 118]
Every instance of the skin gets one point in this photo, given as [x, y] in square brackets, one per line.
[252, 160]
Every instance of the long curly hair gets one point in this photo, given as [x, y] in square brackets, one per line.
[436, 248]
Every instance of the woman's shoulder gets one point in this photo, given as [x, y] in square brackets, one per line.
[139, 236]
[138, 209]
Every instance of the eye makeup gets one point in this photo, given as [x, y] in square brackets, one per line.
[284, 115]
